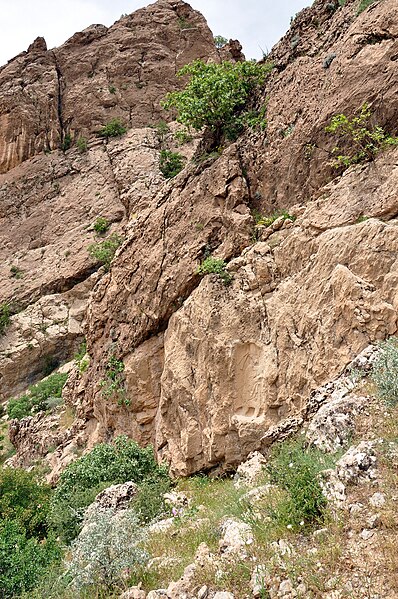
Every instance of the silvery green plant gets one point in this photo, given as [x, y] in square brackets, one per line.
[385, 371]
[107, 549]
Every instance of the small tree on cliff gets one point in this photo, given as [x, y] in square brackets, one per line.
[217, 95]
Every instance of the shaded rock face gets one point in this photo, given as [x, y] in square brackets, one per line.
[100, 73]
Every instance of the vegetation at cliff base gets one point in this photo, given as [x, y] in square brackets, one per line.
[385, 371]
[105, 465]
[217, 96]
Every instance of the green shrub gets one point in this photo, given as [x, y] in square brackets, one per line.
[385, 371]
[5, 314]
[267, 221]
[24, 500]
[81, 144]
[104, 251]
[114, 128]
[23, 561]
[220, 41]
[101, 225]
[215, 266]
[295, 469]
[105, 465]
[107, 547]
[67, 142]
[113, 383]
[162, 129]
[216, 95]
[363, 139]
[182, 136]
[149, 503]
[170, 163]
[16, 272]
[363, 5]
[38, 398]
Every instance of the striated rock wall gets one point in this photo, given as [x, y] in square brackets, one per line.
[212, 372]
[100, 73]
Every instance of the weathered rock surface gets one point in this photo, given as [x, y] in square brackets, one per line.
[100, 73]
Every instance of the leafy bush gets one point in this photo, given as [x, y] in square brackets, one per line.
[16, 272]
[170, 163]
[220, 41]
[295, 469]
[149, 503]
[182, 136]
[26, 548]
[114, 128]
[113, 384]
[38, 397]
[81, 144]
[267, 221]
[101, 225]
[5, 313]
[104, 251]
[215, 266]
[216, 95]
[105, 465]
[107, 547]
[24, 500]
[23, 561]
[363, 139]
[67, 142]
[385, 371]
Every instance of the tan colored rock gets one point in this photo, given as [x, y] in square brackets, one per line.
[98, 74]
[289, 162]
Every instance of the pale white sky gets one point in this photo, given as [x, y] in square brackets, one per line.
[254, 22]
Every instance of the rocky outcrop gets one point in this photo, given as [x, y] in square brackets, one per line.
[51, 96]
[331, 61]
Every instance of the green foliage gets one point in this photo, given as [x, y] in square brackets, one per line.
[112, 89]
[67, 142]
[107, 547]
[104, 251]
[363, 5]
[26, 549]
[24, 500]
[149, 503]
[114, 128]
[113, 384]
[385, 371]
[39, 397]
[295, 469]
[5, 314]
[162, 129]
[363, 139]
[216, 95]
[105, 465]
[220, 41]
[267, 221]
[101, 225]
[215, 266]
[81, 144]
[182, 136]
[23, 560]
[16, 272]
[170, 163]
[81, 357]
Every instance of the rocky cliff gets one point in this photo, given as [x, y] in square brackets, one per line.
[210, 372]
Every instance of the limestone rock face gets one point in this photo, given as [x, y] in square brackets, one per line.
[100, 73]
[289, 162]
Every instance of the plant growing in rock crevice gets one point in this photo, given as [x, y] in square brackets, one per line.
[385, 371]
[217, 96]
[5, 315]
[170, 163]
[215, 266]
[104, 251]
[113, 383]
[362, 139]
